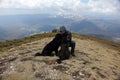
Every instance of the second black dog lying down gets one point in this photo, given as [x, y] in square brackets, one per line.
[51, 46]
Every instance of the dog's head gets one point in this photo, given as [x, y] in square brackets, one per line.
[57, 38]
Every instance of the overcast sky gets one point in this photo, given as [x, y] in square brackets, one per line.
[88, 7]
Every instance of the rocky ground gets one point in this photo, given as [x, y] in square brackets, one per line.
[93, 61]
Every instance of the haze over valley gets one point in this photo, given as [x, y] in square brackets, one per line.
[19, 26]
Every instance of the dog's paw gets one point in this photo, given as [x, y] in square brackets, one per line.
[38, 54]
[59, 61]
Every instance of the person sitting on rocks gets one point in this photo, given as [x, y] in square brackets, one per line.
[68, 38]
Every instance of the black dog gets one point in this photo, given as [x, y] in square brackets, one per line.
[64, 53]
[51, 46]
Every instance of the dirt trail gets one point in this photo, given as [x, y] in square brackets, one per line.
[93, 61]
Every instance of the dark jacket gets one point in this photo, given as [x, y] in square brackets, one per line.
[66, 37]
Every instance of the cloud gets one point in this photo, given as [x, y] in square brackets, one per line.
[103, 6]
[68, 6]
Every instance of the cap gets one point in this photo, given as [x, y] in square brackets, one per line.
[62, 29]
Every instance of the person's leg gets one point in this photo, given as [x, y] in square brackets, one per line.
[72, 45]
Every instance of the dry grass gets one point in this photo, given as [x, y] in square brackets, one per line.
[94, 61]
[111, 44]
[17, 42]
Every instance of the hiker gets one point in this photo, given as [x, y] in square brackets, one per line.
[68, 38]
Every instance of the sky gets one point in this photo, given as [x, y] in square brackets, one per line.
[78, 7]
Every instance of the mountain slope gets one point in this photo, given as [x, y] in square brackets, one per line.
[94, 60]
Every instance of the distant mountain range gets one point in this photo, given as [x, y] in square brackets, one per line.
[19, 26]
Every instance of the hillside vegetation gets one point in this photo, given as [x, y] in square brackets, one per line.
[17, 42]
